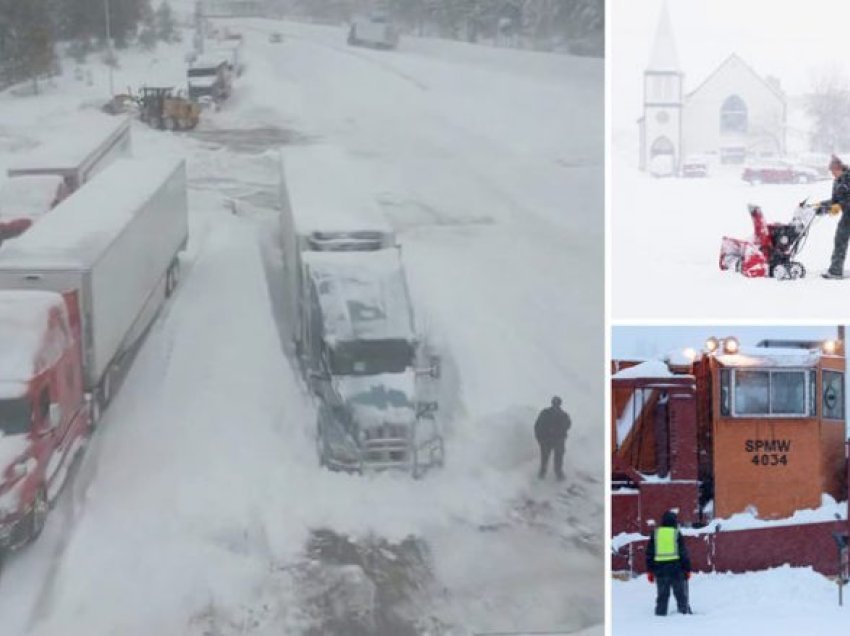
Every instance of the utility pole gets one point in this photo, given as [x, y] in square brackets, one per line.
[109, 46]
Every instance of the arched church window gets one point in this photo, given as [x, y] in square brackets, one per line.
[733, 116]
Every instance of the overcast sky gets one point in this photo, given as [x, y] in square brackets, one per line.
[652, 342]
[793, 41]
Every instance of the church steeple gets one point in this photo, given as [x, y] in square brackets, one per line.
[661, 125]
[664, 56]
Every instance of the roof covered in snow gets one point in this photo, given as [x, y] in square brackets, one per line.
[363, 295]
[71, 142]
[80, 228]
[23, 323]
[326, 193]
[770, 357]
[648, 369]
[28, 196]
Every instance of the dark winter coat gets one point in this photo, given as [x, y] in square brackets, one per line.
[841, 192]
[552, 426]
[682, 565]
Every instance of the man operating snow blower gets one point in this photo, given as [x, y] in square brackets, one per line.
[668, 565]
[839, 203]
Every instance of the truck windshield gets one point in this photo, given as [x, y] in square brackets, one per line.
[371, 357]
[203, 72]
[15, 416]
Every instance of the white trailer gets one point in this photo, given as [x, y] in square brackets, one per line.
[323, 208]
[376, 30]
[116, 242]
[81, 148]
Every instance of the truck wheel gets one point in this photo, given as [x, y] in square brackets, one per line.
[39, 514]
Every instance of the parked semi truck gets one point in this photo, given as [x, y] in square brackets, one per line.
[375, 30]
[39, 180]
[88, 144]
[352, 321]
[116, 243]
[209, 79]
[78, 290]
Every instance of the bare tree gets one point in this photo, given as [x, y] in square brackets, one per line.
[829, 107]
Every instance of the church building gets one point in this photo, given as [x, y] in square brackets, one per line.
[733, 115]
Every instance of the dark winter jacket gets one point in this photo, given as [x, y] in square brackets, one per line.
[683, 564]
[552, 426]
[841, 192]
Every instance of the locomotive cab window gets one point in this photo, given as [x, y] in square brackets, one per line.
[833, 395]
[763, 392]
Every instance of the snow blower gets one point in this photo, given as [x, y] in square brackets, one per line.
[773, 248]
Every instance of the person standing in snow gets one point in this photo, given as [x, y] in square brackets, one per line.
[840, 202]
[668, 564]
[551, 429]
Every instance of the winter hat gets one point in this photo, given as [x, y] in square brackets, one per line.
[556, 401]
[669, 519]
[835, 162]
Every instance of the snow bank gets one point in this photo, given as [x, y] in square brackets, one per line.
[784, 600]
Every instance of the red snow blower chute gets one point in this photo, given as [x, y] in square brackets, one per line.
[773, 248]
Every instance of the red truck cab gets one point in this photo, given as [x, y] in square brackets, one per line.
[44, 416]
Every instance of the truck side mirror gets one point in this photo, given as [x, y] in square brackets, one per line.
[435, 366]
[54, 415]
[425, 408]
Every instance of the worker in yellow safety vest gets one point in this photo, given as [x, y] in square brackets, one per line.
[668, 564]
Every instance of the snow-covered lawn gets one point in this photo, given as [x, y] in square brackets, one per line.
[193, 506]
[665, 244]
[781, 601]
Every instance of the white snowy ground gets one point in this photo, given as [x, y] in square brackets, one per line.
[665, 243]
[782, 601]
[202, 484]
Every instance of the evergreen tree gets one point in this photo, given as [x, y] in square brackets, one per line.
[166, 25]
[148, 29]
[26, 40]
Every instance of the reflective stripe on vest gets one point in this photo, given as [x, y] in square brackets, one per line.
[666, 544]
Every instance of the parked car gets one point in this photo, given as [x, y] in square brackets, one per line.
[695, 166]
[778, 171]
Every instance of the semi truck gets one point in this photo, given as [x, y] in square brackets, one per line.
[375, 30]
[78, 291]
[352, 321]
[209, 79]
[88, 144]
[39, 180]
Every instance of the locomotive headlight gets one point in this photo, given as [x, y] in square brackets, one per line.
[711, 345]
[830, 347]
[690, 354]
[731, 346]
